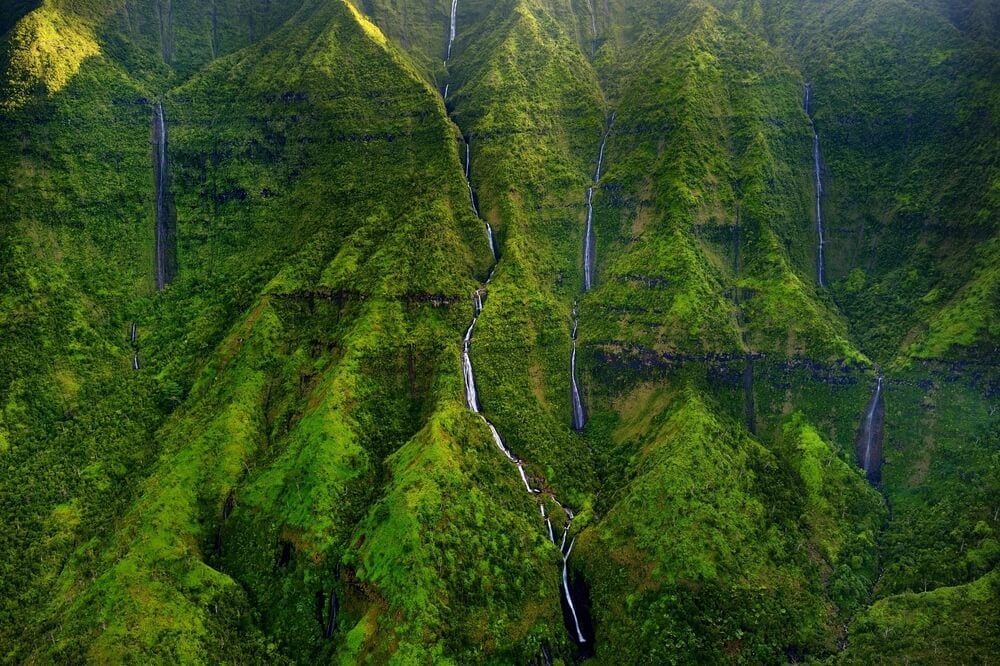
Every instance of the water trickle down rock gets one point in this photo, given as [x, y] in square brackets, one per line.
[818, 182]
[868, 445]
[166, 254]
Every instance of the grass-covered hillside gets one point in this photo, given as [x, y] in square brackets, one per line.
[272, 458]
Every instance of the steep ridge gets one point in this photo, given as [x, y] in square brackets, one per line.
[602, 574]
[909, 229]
[886, 242]
[663, 325]
[251, 360]
[77, 246]
[323, 490]
[76, 176]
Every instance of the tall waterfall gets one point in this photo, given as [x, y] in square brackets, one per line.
[471, 399]
[588, 239]
[818, 184]
[869, 442]
[569, 597]
[593, 27]
[578, 417]
[165, 259]
[451, 29]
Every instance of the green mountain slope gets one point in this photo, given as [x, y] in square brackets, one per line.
[279, 466]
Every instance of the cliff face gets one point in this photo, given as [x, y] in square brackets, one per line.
[235, 420]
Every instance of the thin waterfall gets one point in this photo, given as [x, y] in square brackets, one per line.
[818, 184]
[133, 339]
[471, 394]
[331, 623]
[593, 27]
[451, 30]
[472, 198]
[578, 417]
[471, 399]
[164, 209]
[472, 402]
[524, 478]
[869, 442]
[569, 597]
[588, 239]
[499, 441]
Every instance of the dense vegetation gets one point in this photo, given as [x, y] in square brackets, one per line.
[295, 439]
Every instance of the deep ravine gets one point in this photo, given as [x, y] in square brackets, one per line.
[818, 183]
[869, 441]
[574, 622]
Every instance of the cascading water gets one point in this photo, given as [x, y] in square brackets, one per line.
[588, 239]
[133, 338]
[579, 420]
[869, 442]
[818, 182]
[472, 402]
[164, 211]
[451, 29]
[569, 597]
[472, 396]
[471, 399]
